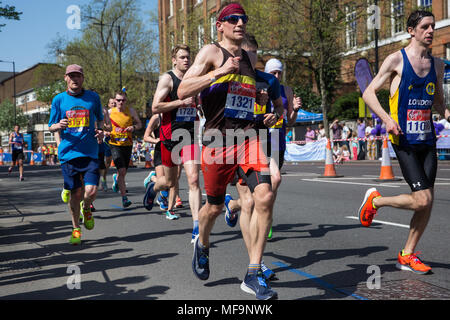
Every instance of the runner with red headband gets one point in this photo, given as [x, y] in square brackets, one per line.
[223, 75]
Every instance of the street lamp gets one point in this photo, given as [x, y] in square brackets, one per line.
[14, 79]
[120, 47]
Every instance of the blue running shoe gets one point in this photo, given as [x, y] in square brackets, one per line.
[114, 186]
[149, 178]
[231, 218]
[163, 203]
[256, 284]
[267, 273]
[194, 234]
[200, 261]
[171, 216]
[149, 197]
[126, 203]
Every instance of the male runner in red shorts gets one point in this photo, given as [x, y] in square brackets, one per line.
[223, 74]
[178, 120]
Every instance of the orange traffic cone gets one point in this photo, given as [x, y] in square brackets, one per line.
[148, 160]
[32, 159]
[386, 173]
[1, 157]
[330, 171]
[112, 164]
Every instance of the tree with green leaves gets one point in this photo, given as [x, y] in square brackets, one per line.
[7, 116]
[102, 54]
[8, 12]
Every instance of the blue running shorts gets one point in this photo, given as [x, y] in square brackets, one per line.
[79, 170]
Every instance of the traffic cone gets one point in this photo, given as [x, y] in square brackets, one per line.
[330, 171]
[148, 162]
[32, 159]
[1, 157]
[386, 173]
[112, 164]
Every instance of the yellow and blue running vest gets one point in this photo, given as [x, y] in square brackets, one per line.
[411, 106]
[120, 121]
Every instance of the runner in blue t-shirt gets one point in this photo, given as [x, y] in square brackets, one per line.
[77, 115]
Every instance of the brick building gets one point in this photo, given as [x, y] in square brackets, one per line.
[193, 22]
[26, 101]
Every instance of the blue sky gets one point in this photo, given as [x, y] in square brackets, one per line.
[25, 41]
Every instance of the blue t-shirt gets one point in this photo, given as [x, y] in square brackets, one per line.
[82, 111]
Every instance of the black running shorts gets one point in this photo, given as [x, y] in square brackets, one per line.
[418, 164]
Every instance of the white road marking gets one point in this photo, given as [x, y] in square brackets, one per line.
[357, 183]
[383, 222]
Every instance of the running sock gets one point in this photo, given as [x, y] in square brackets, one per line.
[253, 268]
[373, 205]
[164, 193]
[195, 224]
[405, 254]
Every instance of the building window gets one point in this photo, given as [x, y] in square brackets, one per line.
[447, 51]
[183, 35]
[213, 21]
[398, 16]
[170, 8]
[200, 36]
[181, 4]
[350, 29]
[172, 40]
[425, 4]
[49, 137]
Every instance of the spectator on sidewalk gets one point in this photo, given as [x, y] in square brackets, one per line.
[361, 128]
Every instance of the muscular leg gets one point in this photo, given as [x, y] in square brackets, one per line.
[421, 202]
[195, 194]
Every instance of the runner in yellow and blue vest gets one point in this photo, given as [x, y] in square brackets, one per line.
[124, 121]
[416, 86]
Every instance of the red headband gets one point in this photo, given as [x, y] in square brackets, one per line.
[230, 9]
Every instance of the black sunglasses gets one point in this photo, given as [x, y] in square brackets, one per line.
[234, 19]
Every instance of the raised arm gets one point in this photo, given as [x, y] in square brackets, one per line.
[387, 70]
[199, 76]
[152, 125]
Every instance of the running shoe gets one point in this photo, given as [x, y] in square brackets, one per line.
[126, 203]
[257, 285]
[179, 203]
[171, 216]
[267, 273]
[200, 261]
[231, 218]
[88, 217]
[269, 236]
[10, 170]
[163, 202]
[149, 197]
[149, 178]
[194, 234]
[104, 185]
[114, 186]
[65, 195]
[75, 238]
[367, 210]
[412, 263]
[21, 178]
[92, 208]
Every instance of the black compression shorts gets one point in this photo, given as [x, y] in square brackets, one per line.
[418, 164]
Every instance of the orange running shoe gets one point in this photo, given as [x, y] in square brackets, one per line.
[179, 203]
[412, 263]
[367, 210]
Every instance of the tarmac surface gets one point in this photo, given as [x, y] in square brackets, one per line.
[319, 250]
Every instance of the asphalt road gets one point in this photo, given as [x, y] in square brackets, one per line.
[319, 250]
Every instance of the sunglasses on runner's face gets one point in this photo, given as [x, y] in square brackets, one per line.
[234, 19]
